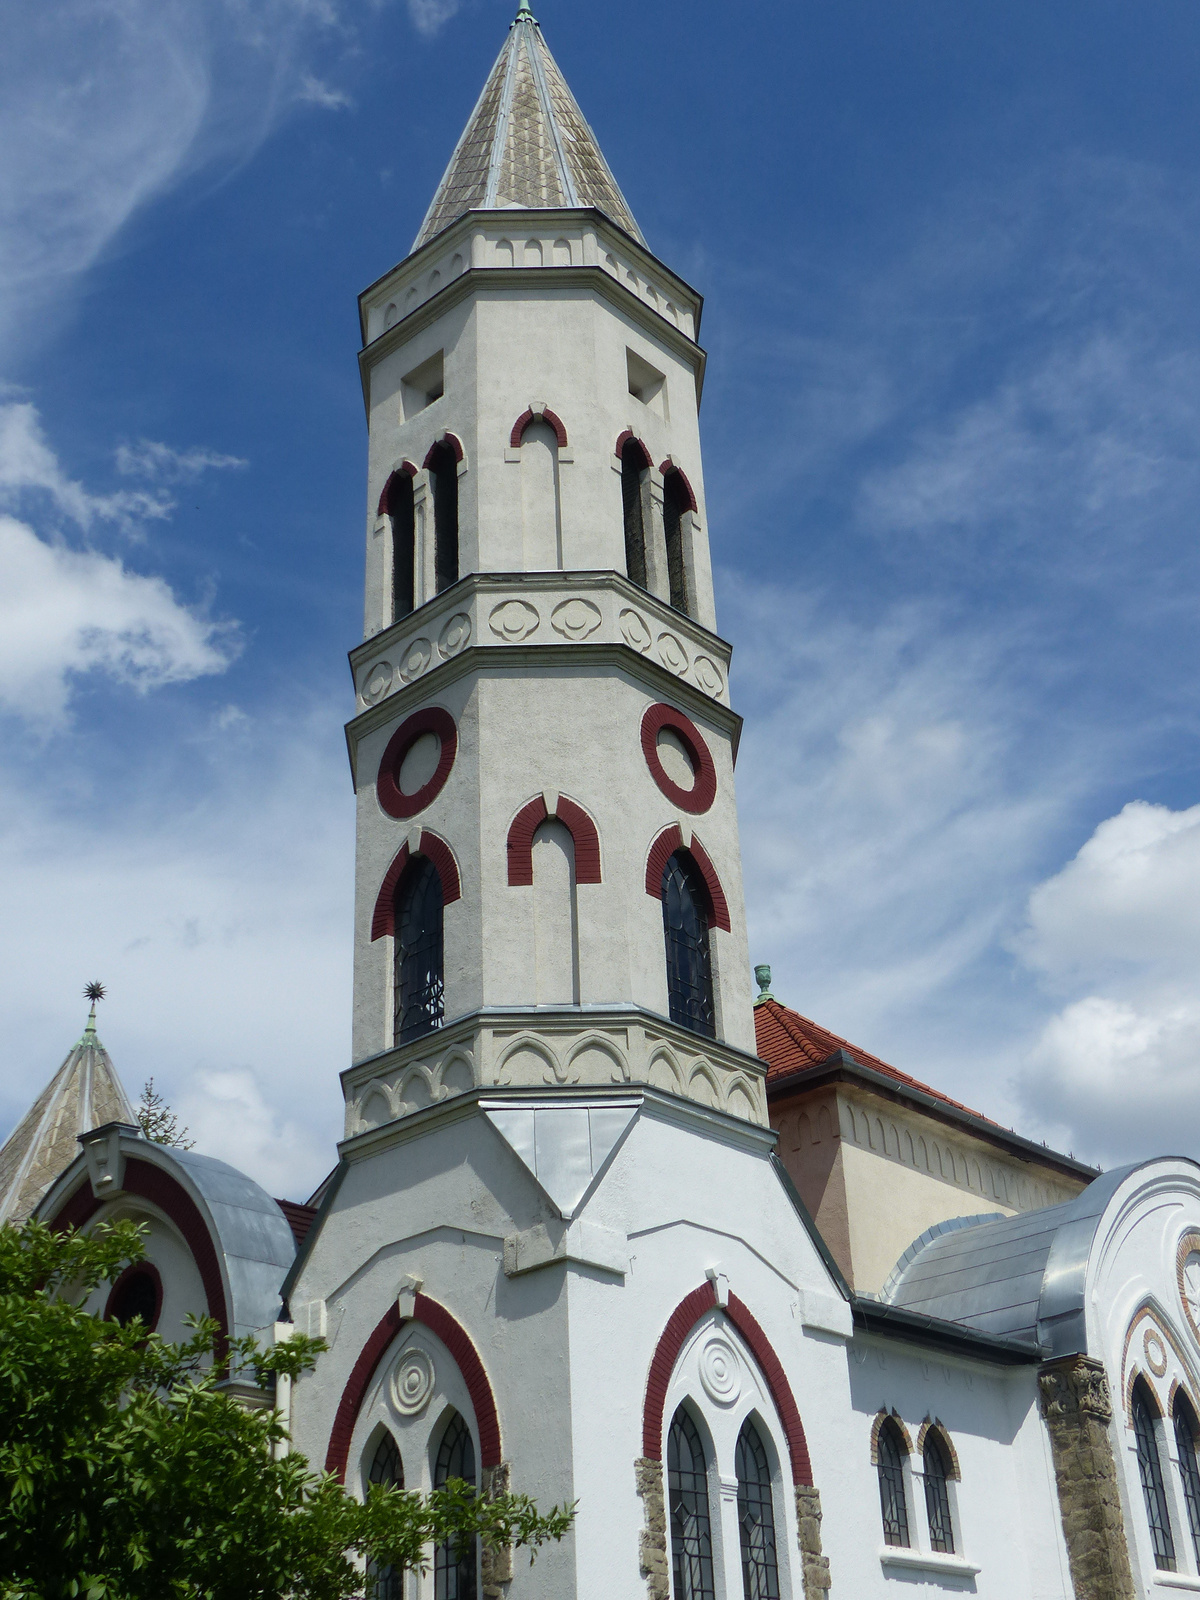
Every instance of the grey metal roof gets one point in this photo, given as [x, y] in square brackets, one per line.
[1017, 1277]
[526, 145]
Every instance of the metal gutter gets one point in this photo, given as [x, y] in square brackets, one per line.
[953, 1337]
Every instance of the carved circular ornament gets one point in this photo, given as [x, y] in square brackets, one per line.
[634, 630]
[576, 618]
[455, 635]
[513, 620]
[416, 659]
[1156, 1353]
[1187, 1269]
[704, 783]
[432, 719]
[412, 1382]
[720, 1372]
[377, 682]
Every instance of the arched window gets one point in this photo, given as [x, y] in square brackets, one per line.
[443, 475]
[676, 505]
[691, 1530]
[555, 916]
[633, 478]
[893, 1500]
[1150, 1471]
[403, 520]
[756, 1517]
[418, 933]
[136, 1293]
[1185, 1445]
[385, 1583]
[937, 1494]
[454, 1566]
[689, 959]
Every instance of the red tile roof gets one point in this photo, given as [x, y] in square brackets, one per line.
[300, 1218]
[789, 1043]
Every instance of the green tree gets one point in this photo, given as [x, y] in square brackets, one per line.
[128, 1473]
[158, 1122]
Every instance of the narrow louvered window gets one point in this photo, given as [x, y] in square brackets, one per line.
[691, 1530]
[443, 475]
[893, 1499]
[756, 1517]
[937, 1495]
[1189, 1473]
[455, 1574]
[1150, 1471]
[633, 476]
[385, 1583]
[675, 507]
[401, 514]
[689, 956]
[419, 958]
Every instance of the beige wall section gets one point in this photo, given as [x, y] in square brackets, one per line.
[875, 1175]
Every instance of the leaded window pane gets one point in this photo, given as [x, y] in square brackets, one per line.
[1185, 1444]
[892, 1497]
[691, 1531]
[1150, 1472]
[454, 1566]
[756, 1517]
[420, 1003]
[385, 1583]
[689, 957]
[937, 1497]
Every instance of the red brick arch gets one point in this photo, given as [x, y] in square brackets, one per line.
[440, 853]
[625, 438]
[661, 851]
[682, 1320]
[577, 823]
[454, 1336]
[406, 469]
[452, 440]
[530, 416]
[668, 467]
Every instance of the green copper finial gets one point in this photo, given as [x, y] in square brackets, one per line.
[92, 992]
[763, 977]
[524, 14]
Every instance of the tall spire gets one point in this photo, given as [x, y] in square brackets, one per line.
[526, 144]
[84, 1093]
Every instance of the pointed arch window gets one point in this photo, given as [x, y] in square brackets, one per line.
[1145, 1433]
[756, 1517]
[685, 905]
[1186, 1431]
[893, 1498]
[419, 987]
[385, 1583]
[677, 503]
[402, 515]
[937, 1494]
[442, 463]
[634, 473]
[455, 1568]
[691, 1528]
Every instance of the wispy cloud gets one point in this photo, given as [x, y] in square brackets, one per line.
[160, 463]
[29, 468]
[430, 16]
[311, 91]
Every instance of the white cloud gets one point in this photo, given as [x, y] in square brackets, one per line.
[430, 16]
[29, 466]
[226, 1112]
[151, 459]
[313, 92]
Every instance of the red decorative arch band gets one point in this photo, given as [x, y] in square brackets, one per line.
[454, 1336]
[681, 1322]
[404, 470]
[703, 792]
[668, 470]
[630, 437]
[430, 719]
[664, 847]
[150, 1182]
[440, 853]
[577, 823]
[451, 440]
[530, 416]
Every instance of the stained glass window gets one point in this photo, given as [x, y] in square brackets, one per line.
[691, 1531]
[689, 957]
[937, 1495]
[418, 925]
[455, 1575]
[1150, 1472]
[756, 1517]
[893, 1500]
[1185, 1444]
[385, 1583]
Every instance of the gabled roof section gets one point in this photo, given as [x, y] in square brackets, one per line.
[84, 1093]
[526, 145]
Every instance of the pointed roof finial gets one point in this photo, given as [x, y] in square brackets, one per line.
[92, 992]
[524, 14]
[763, 976]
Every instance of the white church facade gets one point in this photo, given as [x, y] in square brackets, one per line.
[603, 1226]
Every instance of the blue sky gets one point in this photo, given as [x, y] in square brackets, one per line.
[950, 422]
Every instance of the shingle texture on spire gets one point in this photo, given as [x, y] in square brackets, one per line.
[84, 1093]
[526, 145]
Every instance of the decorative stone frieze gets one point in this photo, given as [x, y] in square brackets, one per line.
[1077, 1408]
[533, 1051]
[814, 1566]
[652, 1542]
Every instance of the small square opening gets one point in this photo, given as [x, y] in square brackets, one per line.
[423, 385]
[646, 383]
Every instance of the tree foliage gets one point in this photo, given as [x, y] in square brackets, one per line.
[128, 1473]
[158, 1122]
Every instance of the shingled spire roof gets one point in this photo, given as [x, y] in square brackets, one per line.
[526, 144]
[84, 1093]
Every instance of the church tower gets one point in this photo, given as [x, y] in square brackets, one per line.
[549, 890]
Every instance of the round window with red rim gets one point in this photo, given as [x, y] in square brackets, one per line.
[678, 758]
[417, 762]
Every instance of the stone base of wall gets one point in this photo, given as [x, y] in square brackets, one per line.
[814, 1566]
[1077, 1409]
[652, 1545]
[496, 1562]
